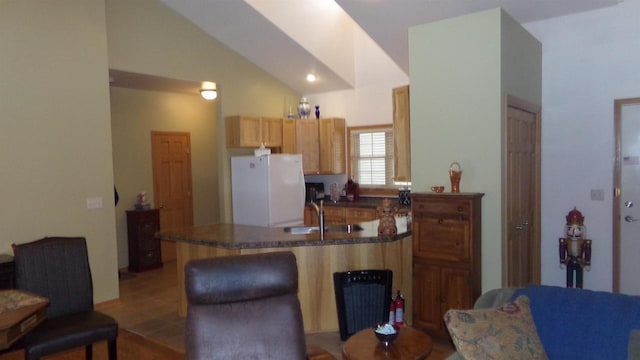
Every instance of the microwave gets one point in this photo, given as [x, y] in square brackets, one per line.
[314, 191]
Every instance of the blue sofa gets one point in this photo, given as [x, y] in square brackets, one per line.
[576, 323]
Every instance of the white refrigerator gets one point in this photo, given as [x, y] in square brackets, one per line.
[267, 190]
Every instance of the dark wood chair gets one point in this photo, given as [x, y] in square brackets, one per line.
[246, 307]
[58, 268]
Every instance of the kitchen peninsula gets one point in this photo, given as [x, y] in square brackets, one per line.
[317, 259]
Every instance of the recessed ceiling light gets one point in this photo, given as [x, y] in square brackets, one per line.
[311, 78]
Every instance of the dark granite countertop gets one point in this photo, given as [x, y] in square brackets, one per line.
[230, 236]
[368, 202]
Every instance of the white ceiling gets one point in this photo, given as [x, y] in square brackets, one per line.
[290, 38]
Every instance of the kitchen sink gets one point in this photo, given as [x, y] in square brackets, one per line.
[345, 228]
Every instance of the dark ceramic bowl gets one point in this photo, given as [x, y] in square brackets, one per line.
[386, 340]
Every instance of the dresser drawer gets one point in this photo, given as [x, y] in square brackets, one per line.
[441, 208]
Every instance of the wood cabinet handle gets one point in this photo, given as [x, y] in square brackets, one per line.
[440, 221]
[460, 208]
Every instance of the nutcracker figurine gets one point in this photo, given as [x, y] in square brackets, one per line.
[575, 250]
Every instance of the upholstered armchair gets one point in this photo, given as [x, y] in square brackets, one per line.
[245, 307]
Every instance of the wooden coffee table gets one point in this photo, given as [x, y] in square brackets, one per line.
[410, 344]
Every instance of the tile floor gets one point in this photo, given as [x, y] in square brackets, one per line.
[148, 306]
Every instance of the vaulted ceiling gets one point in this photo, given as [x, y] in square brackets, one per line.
[291, 38]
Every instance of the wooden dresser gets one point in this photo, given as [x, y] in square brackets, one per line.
[446, 256]
[144, 249]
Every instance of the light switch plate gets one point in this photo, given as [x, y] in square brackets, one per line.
[94, 203]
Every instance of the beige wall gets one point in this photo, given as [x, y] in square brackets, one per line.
[55, 135]
[521, 59]
[134, 114]
[144, 36]
[55, 122]
[460, 69]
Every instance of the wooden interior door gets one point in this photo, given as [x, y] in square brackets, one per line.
[171, 157]
[521, 217]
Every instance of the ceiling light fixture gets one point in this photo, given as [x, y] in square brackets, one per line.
[311, 77]
[208, 91]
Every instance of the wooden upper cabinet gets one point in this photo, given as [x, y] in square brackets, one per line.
[332, 146]
[289, 136]
[401, 134]
[253, 131]
[308, 144]
[321, 143]
[271, 132]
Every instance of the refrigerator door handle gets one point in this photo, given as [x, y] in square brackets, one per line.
[303, 189]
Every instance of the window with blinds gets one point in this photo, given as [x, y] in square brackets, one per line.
[372, 155]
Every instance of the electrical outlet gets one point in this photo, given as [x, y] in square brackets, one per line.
[597, 194]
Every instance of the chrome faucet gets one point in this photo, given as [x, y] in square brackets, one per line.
[320, 212]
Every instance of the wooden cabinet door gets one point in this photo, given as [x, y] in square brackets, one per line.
[442, 239]
[334, 215]
[307, 144]
[310, 217]
[427, 307]
[455, 290]
[271, 132]
[354, 215]
[332, 146]
[401, 134]
[243, 131]
[289, 136]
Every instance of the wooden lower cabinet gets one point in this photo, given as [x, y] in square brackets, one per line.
[339, 215]
[355, 215]
[446, 257]
[332, 215]
[437, 289]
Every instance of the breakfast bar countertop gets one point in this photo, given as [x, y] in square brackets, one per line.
[230, 236]
[317, 259]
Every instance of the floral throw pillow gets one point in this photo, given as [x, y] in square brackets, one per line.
[507, 332]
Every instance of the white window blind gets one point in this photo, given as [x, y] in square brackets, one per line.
[372, 156]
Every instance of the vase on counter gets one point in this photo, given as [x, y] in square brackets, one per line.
[455, 174]
[304, 109]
